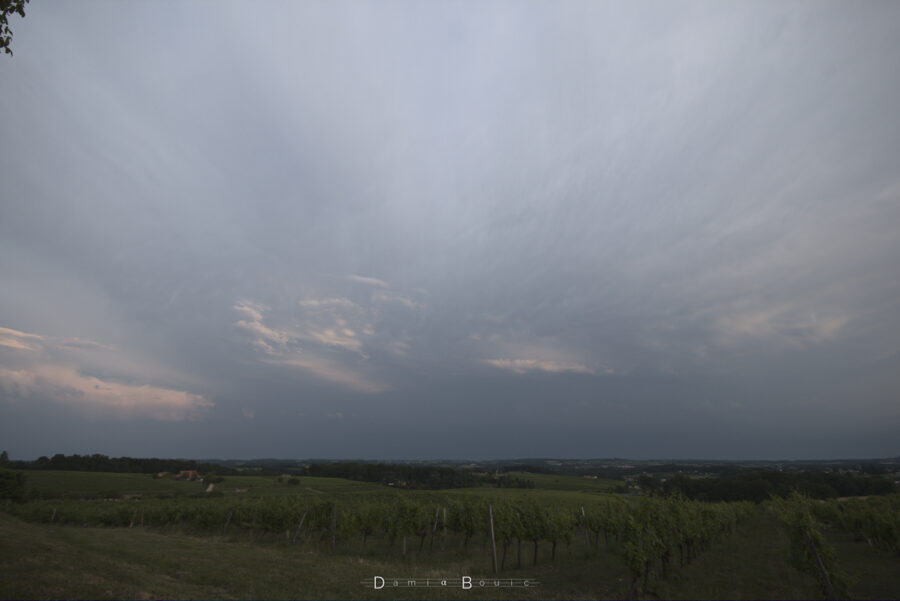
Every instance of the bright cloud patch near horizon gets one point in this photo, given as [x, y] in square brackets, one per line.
[101, 399]
[40, 375]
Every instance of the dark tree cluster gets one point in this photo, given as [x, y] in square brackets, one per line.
[400, 476]
[131, 465]
[12, 486]
[527, 468]
[512, 482]
[759, 485]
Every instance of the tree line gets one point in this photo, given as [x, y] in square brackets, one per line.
[131, 465]
[760, 485]
[415, 477]
[399, 476]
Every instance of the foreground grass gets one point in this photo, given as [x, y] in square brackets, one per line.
[874, 572]
[755, 564]
[41, 561]
[51, 562]
[752, 564]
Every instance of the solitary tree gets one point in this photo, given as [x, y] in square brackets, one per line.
[8, 7]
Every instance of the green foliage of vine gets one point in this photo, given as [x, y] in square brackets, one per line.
[810, 552]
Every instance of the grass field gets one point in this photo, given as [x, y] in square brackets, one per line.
[40, 561]
[70, 484]
[88, 484]
[573, 483]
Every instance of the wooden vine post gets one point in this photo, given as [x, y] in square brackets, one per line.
[224, 527]
[437, 509]
[299, 526]
[587, 540]
[493, 542]
[333, 524]
[829, 589]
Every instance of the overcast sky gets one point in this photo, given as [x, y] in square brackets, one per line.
[451, 230]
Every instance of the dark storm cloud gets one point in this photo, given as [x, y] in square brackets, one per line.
[643, 229]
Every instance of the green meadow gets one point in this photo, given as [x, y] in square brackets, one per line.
[72, 484]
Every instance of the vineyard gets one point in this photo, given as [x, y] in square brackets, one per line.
[651, 535]
[875, 520]
[647, 539]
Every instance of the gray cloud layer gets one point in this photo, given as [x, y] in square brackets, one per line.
[451, 230]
